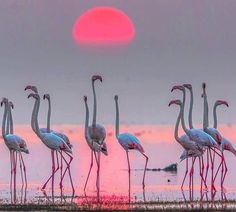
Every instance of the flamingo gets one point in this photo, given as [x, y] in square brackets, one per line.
[97, 134]
[53, 142]
[15, 145]
[94, 146]
[63, 137]
[213, 132]
[225, 144]
[199, 136]
[129, 142]
[191, 148]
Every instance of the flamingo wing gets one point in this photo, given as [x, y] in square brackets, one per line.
[129, 141]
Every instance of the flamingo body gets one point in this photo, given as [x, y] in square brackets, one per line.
[97, 133]
[60, 135]
[129, 141]
[54, 142]
[201, 138]
[15, 142]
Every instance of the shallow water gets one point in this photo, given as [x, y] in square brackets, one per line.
[160, 185]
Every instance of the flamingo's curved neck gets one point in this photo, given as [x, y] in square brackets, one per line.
[49, 115]
[94, 105]
[177, 126]
[190, 114]
[86, 131]
[35, 121]
[215, 116]
[4, 120]
[117, 119]
[9, 121]
[182, 112]
[205, 111]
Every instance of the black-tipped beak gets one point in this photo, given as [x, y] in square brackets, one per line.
[226, 104]
[100, 78]
[175, 87]
[27, 87]
[30, 95]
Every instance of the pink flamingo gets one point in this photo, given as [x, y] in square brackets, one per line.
[213, 132]
[192, 149]
[61, 135]
[15, 145]
[225, 145]
[129, 142]
[97, 134]
[190, 120]
[52, 141]
[94, 146]
[199, 136]
[64, 138]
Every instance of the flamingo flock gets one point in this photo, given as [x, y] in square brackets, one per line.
[196, 142]
[203, 145]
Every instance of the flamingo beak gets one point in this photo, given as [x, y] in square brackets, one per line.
[28, 87]
[175, 87]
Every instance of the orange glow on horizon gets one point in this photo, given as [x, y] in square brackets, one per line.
[103, 25]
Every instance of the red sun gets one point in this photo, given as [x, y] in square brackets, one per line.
[103, 25]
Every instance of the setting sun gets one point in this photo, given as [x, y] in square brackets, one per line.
[103, 25]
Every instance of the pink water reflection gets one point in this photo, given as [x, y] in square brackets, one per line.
[159, 146]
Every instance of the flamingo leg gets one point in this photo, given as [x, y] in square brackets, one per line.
[91, 165]
[193, 171]
[97, 183]
[67, 168]
[61, 168]
[212, 172]
[15, 176]
[21, 171]
[55, 170]
[226, 170]
[220, 165]
[200, 172]
[12, 164]
[205, 184]
[186, 172]
[145, 169]
[190, 176]
[24, 169]
[207, 165]
[127, 153]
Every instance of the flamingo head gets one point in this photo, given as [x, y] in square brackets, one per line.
[177, 87]
[46, 96]
[11, 105]
[188, 86]
[104, 149]
[176, 101]
[4, 101]
[32, 88]
[34, 95]
[116, 97]
[204, 89]
[96, 77]
[85, 98]
[222, 102]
